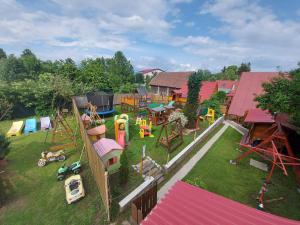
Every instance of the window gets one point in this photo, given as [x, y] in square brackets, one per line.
[112, 161]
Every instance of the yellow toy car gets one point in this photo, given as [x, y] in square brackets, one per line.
[74, 189]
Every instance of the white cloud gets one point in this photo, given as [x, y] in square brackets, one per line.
[255, 34]
[190, 24]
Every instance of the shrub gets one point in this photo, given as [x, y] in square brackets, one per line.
[124, 168]
[4, 146]
[175, 115]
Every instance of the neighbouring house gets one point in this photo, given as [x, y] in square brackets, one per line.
[166, 82]
[250, 86]
[188, 204]
[110, 152]
[150, 72]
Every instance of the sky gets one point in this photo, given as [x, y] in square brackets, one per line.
[174, 35]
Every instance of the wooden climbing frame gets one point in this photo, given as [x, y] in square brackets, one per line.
[92, 109]
[171, 136]
[274, 141]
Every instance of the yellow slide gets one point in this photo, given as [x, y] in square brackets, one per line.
[16, 129]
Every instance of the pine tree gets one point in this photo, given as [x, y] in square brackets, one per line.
[191, 106]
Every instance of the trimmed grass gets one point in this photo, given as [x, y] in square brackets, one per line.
[243, 182]
[34, 196]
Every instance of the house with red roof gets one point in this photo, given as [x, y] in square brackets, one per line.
[250, 86]
[166, 82]
[188, 204]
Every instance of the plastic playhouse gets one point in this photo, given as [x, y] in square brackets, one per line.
[122, 129]
[45, 123]
[15, 129]
[30, 126]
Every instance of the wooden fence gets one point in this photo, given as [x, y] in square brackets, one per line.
[143, 204]
[97, 166]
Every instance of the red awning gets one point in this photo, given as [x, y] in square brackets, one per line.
[258, 116]
[187, 204]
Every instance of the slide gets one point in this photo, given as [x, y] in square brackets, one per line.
[45, 123]
[16, 129]
[30, 126]
[121, 138]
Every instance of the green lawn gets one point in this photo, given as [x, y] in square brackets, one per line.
[243, 182]
[34, 196]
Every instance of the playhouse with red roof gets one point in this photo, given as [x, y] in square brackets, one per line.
[110, 152]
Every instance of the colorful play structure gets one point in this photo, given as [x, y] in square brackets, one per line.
[145, 130]
[45, 123]
[16, 129]
[205, 114]
[104, 102]
[30, 126]
[110, 152]
[270, 139]
[171, 135]
[122, 129]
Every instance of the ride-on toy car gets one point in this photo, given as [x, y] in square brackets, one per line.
[74, 189]
[64, 170]
[51, 156]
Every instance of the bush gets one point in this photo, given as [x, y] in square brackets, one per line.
[124, 169]
[4, 146]
[175, 115]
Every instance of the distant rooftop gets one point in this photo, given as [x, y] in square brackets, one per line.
[149, 70]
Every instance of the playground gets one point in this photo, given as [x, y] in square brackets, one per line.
[35, 192]
[242, 183]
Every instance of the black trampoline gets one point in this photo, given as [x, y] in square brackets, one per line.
[104, 102]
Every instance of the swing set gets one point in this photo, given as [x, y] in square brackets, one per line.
[274, 148]
[62, 134]
[172, 132]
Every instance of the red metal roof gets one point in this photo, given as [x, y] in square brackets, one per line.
[250, 85]
[258, 116]
[207, 89]
[187, 204]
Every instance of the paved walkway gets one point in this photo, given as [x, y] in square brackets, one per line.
[191, 163]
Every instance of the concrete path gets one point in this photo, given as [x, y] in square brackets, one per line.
[191, 163]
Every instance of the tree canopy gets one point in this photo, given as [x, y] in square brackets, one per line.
[282, 95]
[33, 84]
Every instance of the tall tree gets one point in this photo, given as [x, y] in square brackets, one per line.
[12, 69]
[2, 54]
[194, 84]
[31, 64]
[139, 78]
[244, 67]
